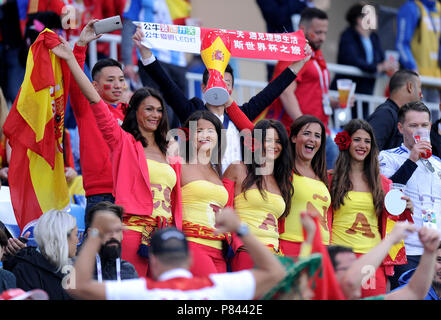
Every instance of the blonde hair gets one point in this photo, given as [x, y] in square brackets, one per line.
[51, 234]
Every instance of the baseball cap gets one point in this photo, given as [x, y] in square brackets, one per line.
[19, 294]
[168, 240]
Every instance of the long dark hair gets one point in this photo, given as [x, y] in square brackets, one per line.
[318, 163]
[130, 123]
[219, 149]
[341, 184]
[282, 166]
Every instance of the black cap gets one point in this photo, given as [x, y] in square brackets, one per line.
[168, 240]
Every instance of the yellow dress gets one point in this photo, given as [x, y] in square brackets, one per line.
[355, 224]
[201, 199]
[261, 215]
[162, 181]
[309, 195]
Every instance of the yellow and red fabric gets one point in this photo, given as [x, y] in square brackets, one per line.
[179, 10]
[386, 222]
[34, 128]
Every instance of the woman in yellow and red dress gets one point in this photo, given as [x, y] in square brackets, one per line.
[260, 186]
[203, 193]
[357, 191]
[310, 183]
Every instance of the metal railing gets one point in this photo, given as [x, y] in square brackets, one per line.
[245, 89]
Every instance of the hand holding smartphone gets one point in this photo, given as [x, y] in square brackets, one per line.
[107, 25]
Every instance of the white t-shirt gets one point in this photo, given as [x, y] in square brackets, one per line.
[233, 150]
[179, 284]
[423, 188]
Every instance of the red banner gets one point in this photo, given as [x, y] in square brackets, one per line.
[244, 44]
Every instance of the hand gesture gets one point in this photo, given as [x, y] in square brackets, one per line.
[226, 221]
[429, 237]
[137, 39]
[88, 34]
[308, 223]
[4, 173]
[15, 245]
[63, 50]
[104, 221]
[296, 66]
[419, 148]
[400, 231]
[70, 174]
[409, 204]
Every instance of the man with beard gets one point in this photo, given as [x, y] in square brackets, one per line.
[309, 92]
[435, 290]
[109, 265]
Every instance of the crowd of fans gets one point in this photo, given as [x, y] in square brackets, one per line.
[231, 206]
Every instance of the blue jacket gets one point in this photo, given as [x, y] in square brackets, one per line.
[408, 18]
[404, 280]
[351, 52]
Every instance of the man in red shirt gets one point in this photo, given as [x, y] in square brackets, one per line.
[308, 93]
[108, 79]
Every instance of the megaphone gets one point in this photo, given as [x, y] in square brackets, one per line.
[215, 53]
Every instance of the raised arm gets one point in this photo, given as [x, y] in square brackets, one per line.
[421, 280]
[64, 52]
[78, 101]
[267, 271]
[356, 274]
[172, 94]
[85, 286]
[107, 124]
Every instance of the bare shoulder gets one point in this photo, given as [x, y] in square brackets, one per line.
[235, 171]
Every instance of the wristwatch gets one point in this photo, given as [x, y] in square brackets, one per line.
[243, 230]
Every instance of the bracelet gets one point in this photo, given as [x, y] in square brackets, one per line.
[243, 230]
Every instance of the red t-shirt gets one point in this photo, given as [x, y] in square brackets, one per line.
[308, 91]
[95, 162]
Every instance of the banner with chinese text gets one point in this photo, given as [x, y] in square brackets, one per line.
[244, 44]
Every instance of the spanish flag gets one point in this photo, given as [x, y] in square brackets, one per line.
[179, 10]
[34, 128]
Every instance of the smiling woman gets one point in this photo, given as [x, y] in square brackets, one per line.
[261, 188]
[203, 193]
[357, 191]
[310, 183]
[146, 183]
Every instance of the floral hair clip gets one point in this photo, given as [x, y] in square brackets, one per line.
[251, 143]
[343, 140]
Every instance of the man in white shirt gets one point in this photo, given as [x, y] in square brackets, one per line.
[422, 177]
[170, 262]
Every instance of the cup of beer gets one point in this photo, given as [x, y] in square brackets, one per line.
[422, 135]
[344, 87]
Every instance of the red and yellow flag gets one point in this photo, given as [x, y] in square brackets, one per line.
[324, 282]
[34, 128]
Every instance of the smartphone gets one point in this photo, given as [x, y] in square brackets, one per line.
[108, 25]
